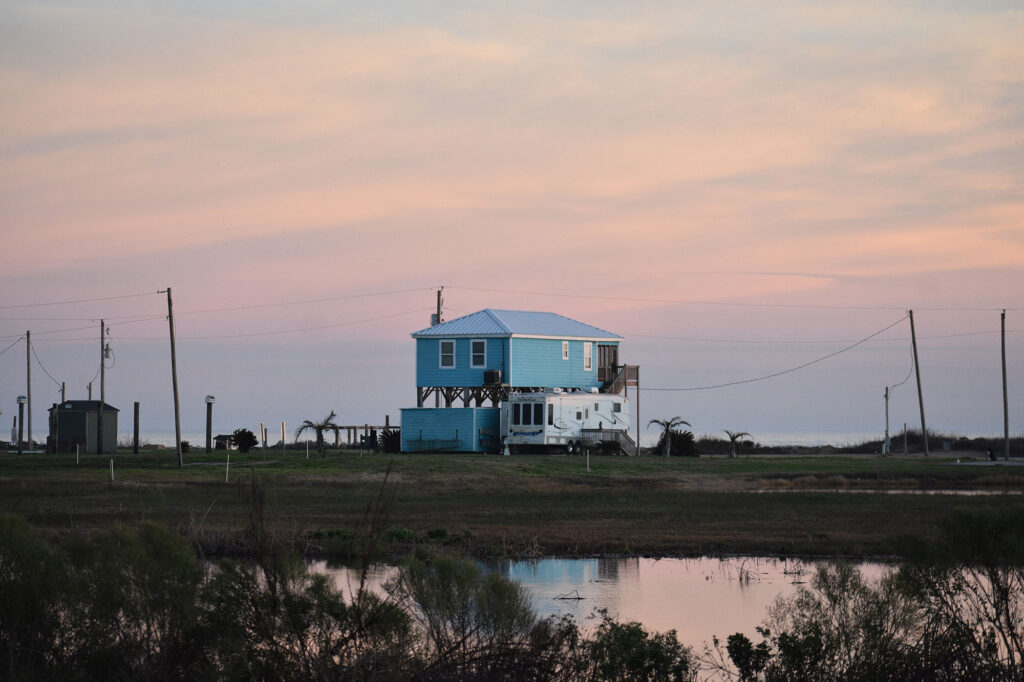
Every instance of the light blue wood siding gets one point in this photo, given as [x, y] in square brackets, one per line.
[453, 429]
[430, 373]
[523, 362]
[539, 363]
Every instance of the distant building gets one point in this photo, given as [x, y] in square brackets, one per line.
[73, 423]
[483, 356]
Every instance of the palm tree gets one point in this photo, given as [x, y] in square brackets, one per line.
[318, 428]
[668, 425]
[734, 438]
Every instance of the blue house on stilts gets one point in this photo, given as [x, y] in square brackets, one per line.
[466, 363]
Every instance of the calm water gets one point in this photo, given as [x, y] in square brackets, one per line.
[698, 598]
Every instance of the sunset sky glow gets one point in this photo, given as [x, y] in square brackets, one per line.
[736, 188]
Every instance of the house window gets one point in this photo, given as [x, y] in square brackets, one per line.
[478, 352]
[448, 355]
[588, 356]
[565, 350]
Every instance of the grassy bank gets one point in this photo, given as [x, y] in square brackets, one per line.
[526, 505]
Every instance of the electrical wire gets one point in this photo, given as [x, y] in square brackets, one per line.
[909, 372]
[301, 302]
[787, 371]
[12, 345]
[81, 300]
[41, 366]
[721, 303]
[281, 331]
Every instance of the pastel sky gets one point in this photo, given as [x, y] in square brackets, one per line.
[736, 188]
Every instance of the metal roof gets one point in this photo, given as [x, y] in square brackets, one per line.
[490, 322]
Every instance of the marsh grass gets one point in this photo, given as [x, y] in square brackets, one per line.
[516, 506]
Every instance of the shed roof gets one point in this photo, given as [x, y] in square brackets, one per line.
[84, 406]
[490, 322]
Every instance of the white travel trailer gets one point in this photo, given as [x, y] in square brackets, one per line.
[569, 422]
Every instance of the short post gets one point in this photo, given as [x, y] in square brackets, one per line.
[135, 437]
[588, 459]
[111, 469]
[282, 439]
[307, 449]
[227, 466]
[76, 453]
[21, 420]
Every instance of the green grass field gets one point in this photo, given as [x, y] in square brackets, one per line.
[529, 505]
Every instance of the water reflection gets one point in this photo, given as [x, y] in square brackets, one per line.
[698, 598]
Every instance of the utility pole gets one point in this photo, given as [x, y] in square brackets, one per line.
[90, 390]
[885, 448]
[1006, 405]
[103, 390]
[28, 381]
[174, 380]
[439, 320]
[917, 370]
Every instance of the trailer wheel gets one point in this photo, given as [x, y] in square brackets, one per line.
[514, 449]
[574, 447]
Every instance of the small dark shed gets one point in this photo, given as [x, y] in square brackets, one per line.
[74, 423]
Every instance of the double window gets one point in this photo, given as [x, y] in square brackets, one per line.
[447, 354]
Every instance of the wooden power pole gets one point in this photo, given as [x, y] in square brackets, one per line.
[1006, 405]
[174, 380]
[103, 390]
[917, 370]
[28, 382]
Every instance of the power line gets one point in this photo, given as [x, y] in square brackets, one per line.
[41, 366]
[785, 342]
[81, 300]
[301, 302]
[787, 371]
[271, 333]
[12, 345]
[626, 299]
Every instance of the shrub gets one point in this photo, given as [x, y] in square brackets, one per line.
[683, 444]
[244, 439]
[391, 440]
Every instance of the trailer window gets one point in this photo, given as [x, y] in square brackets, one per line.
[526, 415]
[551, 415]
[448, 354]
[579, 415]
[616, 407]
[538, 413]
[516, 407]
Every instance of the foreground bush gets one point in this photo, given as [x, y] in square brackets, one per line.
[954, 611]
[134, 603]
